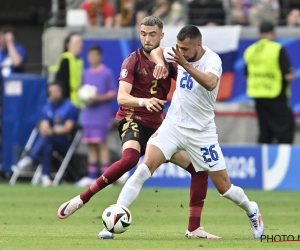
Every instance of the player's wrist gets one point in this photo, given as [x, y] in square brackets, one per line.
[141, 102]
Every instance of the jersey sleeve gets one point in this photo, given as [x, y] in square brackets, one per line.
[44, 114]
[166, 55]
[72, 114]
[214, 66]
[173, 70]
[285, 63]
[22, 51]
[127, 70]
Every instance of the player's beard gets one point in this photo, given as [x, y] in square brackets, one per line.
[148, 51]
[193, 58]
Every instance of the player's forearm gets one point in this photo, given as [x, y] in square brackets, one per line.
[107, 97]
[127, 100]
[157, 55]
[14, 55]
[63, 130]
[203, 79]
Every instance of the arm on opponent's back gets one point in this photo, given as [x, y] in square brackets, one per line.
[127, 100]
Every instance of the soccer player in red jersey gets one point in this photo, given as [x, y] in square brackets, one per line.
[141, 98]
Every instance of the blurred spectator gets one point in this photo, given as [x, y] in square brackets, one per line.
[143, 8]
[263, 10]
[206, 12]
[100, 12]
[269, 74]
[97, 116]
[239, 11]
[12, 54]
[69, 72]
[293, 18]
[125, 10]
[59, 117]
[171, 12]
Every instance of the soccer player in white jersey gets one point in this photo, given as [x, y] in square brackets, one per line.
[190, 125]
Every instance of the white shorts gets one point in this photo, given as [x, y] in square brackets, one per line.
[202, 146]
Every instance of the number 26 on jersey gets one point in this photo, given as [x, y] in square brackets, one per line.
[186, 81]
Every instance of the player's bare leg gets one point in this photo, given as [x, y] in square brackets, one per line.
[198, 190]
[237, 195]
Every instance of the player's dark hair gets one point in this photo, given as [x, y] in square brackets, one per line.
[95, 48]
[68, 38]
[152, 21]
[189, 31]
[7, 29]
[266, 27]
[55, 83]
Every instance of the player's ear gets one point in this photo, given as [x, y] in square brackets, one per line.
[199, 43]
[162, 35]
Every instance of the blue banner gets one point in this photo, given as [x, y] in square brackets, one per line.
[266, 167]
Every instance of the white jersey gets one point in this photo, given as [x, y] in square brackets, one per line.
[192, 105]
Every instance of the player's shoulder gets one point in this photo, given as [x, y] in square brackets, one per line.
[211, 56]
[135, 55]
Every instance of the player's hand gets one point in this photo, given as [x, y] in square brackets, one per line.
[9, 38]
[154, 104]
[178, 57]
[160, 71]
[46, 131]
[92, 101]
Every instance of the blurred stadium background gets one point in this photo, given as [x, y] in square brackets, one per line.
[41, 27]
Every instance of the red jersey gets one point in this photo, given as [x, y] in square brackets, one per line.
[137, 70]
[105, 9]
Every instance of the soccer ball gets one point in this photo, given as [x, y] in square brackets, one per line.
[86, 92]
[116, 219]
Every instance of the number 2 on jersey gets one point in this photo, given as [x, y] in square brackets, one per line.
[186, 81]
[152, 89]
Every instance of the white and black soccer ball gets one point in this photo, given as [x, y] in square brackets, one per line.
[116, 219]
[87, 92]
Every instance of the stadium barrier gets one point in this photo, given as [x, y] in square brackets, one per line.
[23, 97]
[266, 167]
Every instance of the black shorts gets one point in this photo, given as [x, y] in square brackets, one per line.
[133, 130]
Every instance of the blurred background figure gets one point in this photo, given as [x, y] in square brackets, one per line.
[70, 68]
[12, 54]
[238, 13]
[293, 18]
[125, 13]
[97, 115]
[58, 120]
[269, 74]
[100, 12]
[263, 10]
[171, 12]
[206, 12]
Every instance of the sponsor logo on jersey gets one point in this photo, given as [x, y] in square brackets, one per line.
[143, 72]
[124, 73]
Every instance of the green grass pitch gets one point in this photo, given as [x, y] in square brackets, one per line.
[28, 220]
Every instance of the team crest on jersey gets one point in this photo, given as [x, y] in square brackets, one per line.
[154, 135]
[124, 73]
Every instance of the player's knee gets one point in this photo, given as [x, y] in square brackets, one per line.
[131, 160]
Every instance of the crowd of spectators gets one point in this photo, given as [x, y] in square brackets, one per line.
[123, 13]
